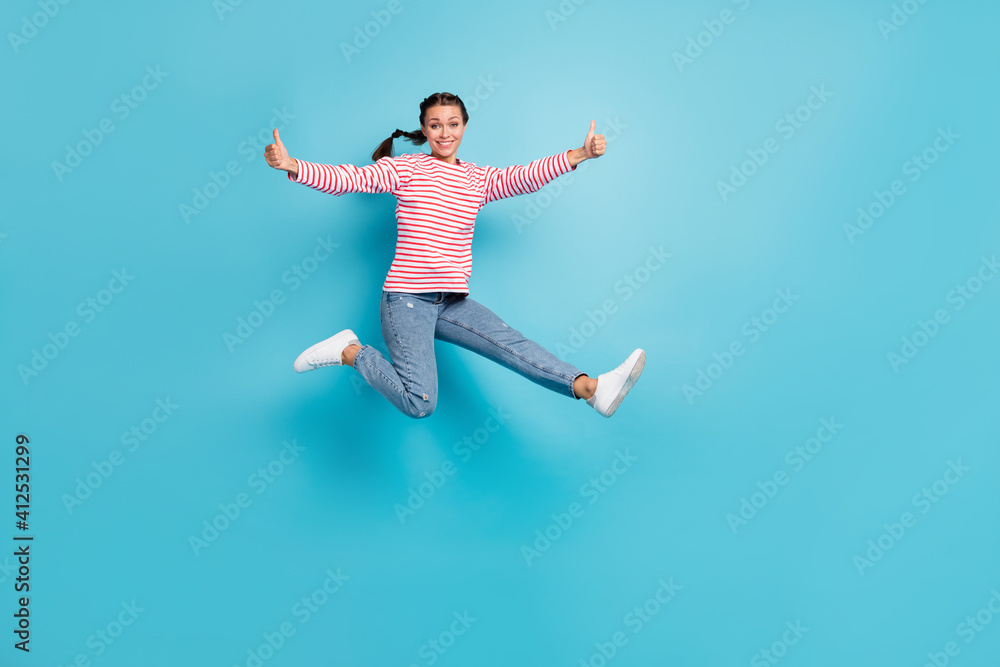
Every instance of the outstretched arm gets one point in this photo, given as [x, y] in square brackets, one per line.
[520, 180]
[334, 179]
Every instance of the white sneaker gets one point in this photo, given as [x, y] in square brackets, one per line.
[613, 385]
[327, 352]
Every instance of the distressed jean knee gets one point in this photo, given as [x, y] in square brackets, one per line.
[420, 406]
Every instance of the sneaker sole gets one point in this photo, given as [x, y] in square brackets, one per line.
[633, 376]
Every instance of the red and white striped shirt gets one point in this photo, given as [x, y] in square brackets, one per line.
[436, 207]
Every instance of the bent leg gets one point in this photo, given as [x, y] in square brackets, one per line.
[469, 324]
[409, 381]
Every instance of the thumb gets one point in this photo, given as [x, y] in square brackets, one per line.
[277, 139]
[593, 126]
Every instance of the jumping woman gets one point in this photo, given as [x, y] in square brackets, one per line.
[425, 295]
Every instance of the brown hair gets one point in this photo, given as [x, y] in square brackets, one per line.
[417, 136]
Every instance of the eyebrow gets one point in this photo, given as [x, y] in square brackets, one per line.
[452, 118]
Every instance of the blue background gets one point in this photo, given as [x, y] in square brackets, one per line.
[675, 130]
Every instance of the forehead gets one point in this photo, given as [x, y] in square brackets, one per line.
[443, 113]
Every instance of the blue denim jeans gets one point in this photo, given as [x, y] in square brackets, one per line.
[410, 324]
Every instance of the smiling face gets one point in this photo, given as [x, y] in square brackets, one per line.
[443, 126]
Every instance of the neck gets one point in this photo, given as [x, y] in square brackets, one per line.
[450, 160]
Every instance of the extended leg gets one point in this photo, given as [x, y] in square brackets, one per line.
[469, 324]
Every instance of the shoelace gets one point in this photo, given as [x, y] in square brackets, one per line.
[317, 364]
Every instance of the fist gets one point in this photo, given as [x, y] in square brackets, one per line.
[277, 156]
[594, 144]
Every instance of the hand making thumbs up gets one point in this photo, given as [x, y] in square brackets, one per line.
[595, 144]
[277, 156]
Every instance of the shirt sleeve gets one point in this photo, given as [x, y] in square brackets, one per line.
[521, 180]
[385, 175]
